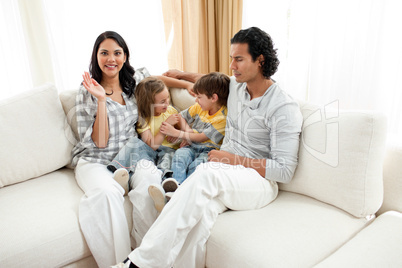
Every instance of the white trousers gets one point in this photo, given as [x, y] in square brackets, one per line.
[144, 212]
[101, 214]
[178, 236]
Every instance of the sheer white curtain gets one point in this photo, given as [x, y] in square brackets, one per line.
[73, 26]
[51, 41]
[347, 51]
[15, 74]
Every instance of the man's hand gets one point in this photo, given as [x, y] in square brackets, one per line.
[174, 73]
[221, 156]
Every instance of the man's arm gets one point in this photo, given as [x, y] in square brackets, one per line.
[232, 159]
[284, 135]
[173, 82]
[191, 77]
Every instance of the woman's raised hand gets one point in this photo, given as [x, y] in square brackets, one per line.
[93, 87]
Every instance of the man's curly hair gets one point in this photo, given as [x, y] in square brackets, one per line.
[259, 43]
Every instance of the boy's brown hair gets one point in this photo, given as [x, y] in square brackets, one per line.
[145, 96]
[213, 83]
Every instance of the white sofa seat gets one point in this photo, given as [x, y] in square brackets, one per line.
[378, 245]
[293, 231]
[53, 237]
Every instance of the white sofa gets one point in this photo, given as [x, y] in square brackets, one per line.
[342, 209]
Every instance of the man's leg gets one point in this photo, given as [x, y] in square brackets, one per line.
[236, 187]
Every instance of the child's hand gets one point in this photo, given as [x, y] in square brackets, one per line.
[168, 129]
[173, 140]
[185, 143]
[173, 119]
[190, 90]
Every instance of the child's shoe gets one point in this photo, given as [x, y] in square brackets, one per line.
[168, 196]
[121, 176]
[157, 194]
[170, 185]
[126, 264]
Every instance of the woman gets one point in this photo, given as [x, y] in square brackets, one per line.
[106, 118]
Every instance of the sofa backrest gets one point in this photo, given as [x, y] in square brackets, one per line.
[392, 180]
[33, 135]
[67, 98]
[181, 99]
[341, 158]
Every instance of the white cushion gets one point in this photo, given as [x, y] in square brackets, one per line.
[33, 135]
[378, 245]
[340, 159]
[41, 228]
[67, 98]
[292, 231]
[181, 99]
[392, 180]
[39, 222]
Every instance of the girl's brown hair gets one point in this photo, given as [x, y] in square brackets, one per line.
[145, 96]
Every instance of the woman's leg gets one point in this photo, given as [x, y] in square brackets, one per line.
[144, 212]
[196, 201]
[101, 214]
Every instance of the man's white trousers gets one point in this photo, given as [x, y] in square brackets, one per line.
[178, 236]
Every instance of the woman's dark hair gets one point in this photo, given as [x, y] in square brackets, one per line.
[126, 74]
[259, 43]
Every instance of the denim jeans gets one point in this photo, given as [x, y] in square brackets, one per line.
[135, 150]
[186, 159]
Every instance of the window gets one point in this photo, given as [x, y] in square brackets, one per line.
[51, 41]
[344, 50]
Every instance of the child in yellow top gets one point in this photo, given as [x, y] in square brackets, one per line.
[152, 97]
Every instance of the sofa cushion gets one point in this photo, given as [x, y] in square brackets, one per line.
[33, 135]
[378, 245]
[341, 158]
[392, 180]
[292, 231]
[39, 219]
[67, 98]
[181, 99]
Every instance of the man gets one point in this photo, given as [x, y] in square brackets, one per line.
[259, 149]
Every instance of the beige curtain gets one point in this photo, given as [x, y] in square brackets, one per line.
[198, 33]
